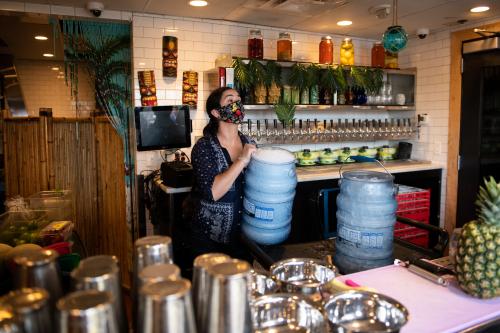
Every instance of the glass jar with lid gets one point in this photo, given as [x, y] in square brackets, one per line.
[347, 52]
[326, 50]
[284, 47]
[391, 60]
[378, 55]
[255, 44]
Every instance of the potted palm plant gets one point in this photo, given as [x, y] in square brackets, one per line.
[243, 80]
[298, 80]
[332, 80]
[285, 111]
[258, 73]
[273, 81]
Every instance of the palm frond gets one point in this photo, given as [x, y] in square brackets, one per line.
[258, 72]
[298, 77]
[285, 111]
[272, 73]
[242, 74]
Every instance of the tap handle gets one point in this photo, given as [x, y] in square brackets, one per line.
[258, 125]
[409, 122]
[331, 123]
[293, 123]
[275, 123]
[300, 123]
[315, 123]
[266, 123]
[324, 124]
[249, 124]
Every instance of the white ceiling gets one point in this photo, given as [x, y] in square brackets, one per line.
[312, 15]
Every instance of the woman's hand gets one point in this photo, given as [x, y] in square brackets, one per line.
[246, 154]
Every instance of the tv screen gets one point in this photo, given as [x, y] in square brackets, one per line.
[162, 127]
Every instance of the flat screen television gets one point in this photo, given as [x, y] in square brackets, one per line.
[162, 127]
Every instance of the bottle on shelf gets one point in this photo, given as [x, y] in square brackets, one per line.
[284, 47]
[378, 55]
[255, 44]
[347, 52]
[326, 50]
[391, 60]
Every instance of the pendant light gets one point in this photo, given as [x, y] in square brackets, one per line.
[395, 37]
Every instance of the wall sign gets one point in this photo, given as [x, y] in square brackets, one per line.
[190, 88]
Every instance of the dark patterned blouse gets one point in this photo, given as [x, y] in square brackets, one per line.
[218, 220]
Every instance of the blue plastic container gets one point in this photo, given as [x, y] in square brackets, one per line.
[366, 214]
[270, 182]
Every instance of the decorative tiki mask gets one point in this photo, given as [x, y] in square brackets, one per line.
[274, 94]
[169, 56]
[190, 88]
[260, 93]
[147, 88]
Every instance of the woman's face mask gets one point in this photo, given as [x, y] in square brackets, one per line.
[232, 113]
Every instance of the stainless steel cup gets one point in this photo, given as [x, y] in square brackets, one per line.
[32, 309]
[166, 307]
[151, 274]
[229, 297]
[88, 311]
[200, 283]
[152, 250]
[103, 274]
[8, 320]
[39, 269]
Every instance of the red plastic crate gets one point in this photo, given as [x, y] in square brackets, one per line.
[407, 193]
[414, 204]
[419, 214]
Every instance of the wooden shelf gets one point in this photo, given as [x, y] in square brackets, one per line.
[315, 107]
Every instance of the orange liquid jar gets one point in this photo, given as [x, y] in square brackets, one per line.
[255, 45]
[378, 55]
[284, 47]
[326, 50]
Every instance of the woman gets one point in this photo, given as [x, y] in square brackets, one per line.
[219, 159]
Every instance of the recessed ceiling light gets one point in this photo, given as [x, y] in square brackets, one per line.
[479, 9]
[41, 37]
[48, 55]
[198, 3]
[142, 64]
[55, 68]
[344, 23]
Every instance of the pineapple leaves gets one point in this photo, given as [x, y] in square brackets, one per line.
[285, 111]
[242, 74]
[272, 74]
[298, 77]
[488, 202]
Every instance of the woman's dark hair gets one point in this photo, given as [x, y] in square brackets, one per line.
[213, 102]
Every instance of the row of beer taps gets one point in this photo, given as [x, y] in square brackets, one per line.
[327, 130]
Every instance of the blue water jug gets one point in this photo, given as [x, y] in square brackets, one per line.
[270, 182]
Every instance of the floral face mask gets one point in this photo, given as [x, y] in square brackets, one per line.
[232, 113]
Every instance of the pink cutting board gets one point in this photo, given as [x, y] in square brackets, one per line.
[432, 308]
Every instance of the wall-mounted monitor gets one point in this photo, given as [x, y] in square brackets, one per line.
[162, 127]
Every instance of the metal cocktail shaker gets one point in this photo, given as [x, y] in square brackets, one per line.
[229, 297]
[8, 320]
[166, 307]
[201, 283]
[103, 274]
[88, 311]
[152, 250]
[32, 309]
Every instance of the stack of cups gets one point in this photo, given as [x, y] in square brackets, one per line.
[88, 311]
[201, 284]
[166, 307]
[31, 308]
[102, 273]
[39, 269]
[229, 298]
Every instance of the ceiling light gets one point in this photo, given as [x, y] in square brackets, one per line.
[344, 23]
[142, 64]
[479, 9]
[198, 3]
[55, 68]
[45, 38]
[48, 55]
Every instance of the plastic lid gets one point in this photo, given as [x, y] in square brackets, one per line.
[274, 155]
[368, 176]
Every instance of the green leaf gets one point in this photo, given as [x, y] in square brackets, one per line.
[272, 74]
[298, 77]
[285, 111]
[242, 74]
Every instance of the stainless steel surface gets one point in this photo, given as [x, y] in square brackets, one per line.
[39, 269]
[303, 275]
[152, 250]
[8, 320]
[166, 307]
[283, 329]
[228, 298]
[103, 274]
[88, 311]
[31, 307]
[481, 45]
[363, 311]
[262, 285]
[285, 310]
[201, 283]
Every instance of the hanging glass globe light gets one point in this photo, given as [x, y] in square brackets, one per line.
[395, 39]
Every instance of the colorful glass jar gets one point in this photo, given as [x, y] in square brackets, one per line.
[326, 50]
[391, 60]
[347, 52]
[255, 44]
[284, 47]
[378, 55]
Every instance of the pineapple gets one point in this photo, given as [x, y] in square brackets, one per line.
[478, 253]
